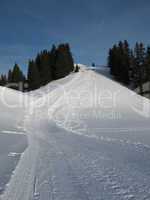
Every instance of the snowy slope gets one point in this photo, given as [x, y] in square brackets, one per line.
[88, 140]
[12, 104]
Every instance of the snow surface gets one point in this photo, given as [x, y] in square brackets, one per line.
[88, 139]
[11, 147]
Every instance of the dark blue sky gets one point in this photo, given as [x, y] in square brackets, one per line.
[90, 26]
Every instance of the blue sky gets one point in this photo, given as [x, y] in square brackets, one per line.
[91, 27]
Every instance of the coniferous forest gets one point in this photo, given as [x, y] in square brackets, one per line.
[46, 67]
[130, 66]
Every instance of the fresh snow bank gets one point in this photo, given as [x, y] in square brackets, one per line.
[88, 139]
[12, 105]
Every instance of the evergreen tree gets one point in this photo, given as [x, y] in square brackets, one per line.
[38, 61]
[10, 76]
[69, 59]
[33, 76]
[17, 74]
[132, 69]
[76, 68]
[147, 65]
[113, 61]
[64, 61]
[110, 60]
[139, 65]
[119, 62]
[126, 63]
[3, 80]
[46, 70]
[53, 53]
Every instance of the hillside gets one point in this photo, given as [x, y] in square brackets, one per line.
[88, 139]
